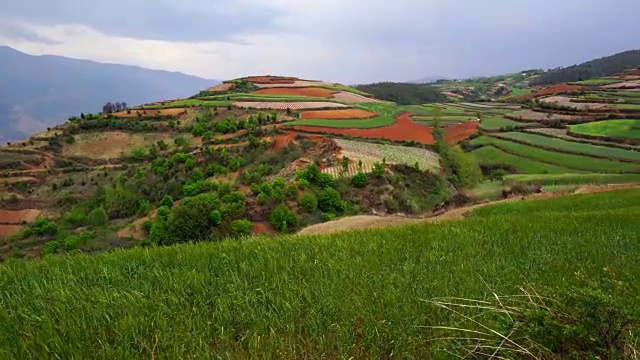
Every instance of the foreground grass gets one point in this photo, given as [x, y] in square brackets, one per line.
[348, 295]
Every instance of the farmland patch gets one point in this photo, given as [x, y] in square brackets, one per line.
[302, 105]
[312, 92]
[338, 114]
[114, 144]
[394, 154]
[489, 155]
[623, 129]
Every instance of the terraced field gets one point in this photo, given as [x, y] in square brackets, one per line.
[394, 154]
[277, 105]
[623, 129]
[187, 103]
[386, 116]
[570, 146]
[500, 122]
[490, 155]
[578, 162]
[571, 179]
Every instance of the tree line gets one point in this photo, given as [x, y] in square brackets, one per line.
[605, 66]
[403, 93]
[110, 108]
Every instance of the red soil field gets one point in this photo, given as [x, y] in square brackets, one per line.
[338, 114]
[455, 134]
[271, 80]
[403, 130]
[9, 229]
[555, 89]
[632, 72]
[313, 92]
[15, 217]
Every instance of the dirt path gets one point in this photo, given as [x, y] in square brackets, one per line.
[360, 222]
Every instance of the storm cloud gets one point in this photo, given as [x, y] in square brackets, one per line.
[352, 41]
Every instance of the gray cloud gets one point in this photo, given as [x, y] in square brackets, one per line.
[172, 20]
[16, 31]
[352, 41]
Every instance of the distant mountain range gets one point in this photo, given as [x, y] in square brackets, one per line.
[41, 91]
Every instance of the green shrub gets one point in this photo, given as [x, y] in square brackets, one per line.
[42, 227]
[190, 221]
[241, 228]
[97, 217]
[292, 191]
[329, 200]
[50, 248]
[167, 201]
[325, 180]
[308, 202]
[283, 219]
[146, 226]
[72, 243]
[138, 154]
[360, 180]
[120, 203]
[277, 194]
[216, 218]
[262, 198]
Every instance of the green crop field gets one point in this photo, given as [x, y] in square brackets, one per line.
[490, 155]
[387, 116]
[351, 295]
[261, 97]
[188, 102]
[571, 146]
[445, 119]
[597, 82]
[348, 89]
[626, 106]
[516, 92]
[429, 110]
[579, 162]
[500, 122]
[571, 179]
[624, 129]
[634, 94]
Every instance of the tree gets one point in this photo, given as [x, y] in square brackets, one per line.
[308, 202]
[97, 217]
[283, 219]
[167, 201]
[359, 180]
[192, 220]
[241, 228]
[120, 203]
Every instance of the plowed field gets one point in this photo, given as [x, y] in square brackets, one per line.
[403, 130]
[15, 217]
[9, 229]
[312, 92]
[351, 97]
[271, 80]
[556, 89]
[338, 114]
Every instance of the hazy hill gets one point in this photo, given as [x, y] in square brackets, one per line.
[40, 91]
[605, 66]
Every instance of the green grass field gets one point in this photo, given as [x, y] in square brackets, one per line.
[571, 146]
[429, 110]
[516, 92]
[626, 106]
[587, 203]
[348, 89]
[571, 179]
[500, 122]
[261, 97]
[188, 102]
[624, 129]
[387, 116]
[603, 81]
[351, 295]
[445, 119]
[578, 162]
[490, 155]
[634, 94]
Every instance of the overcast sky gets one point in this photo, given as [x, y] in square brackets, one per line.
[349, 41]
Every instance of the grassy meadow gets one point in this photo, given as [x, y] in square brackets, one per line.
[359, 294]
[624, 129]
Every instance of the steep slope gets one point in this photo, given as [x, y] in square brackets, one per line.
[39, 91]
[605, 66]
